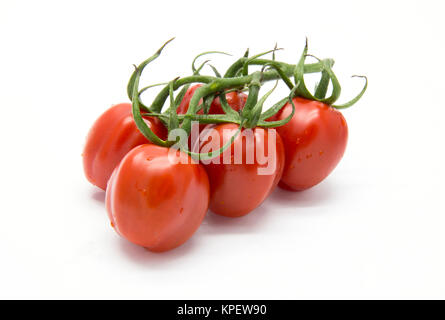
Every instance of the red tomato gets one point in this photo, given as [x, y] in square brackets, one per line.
[236, 100]
[155, 203]
[314, 140]
[113, 134]
[236, 188]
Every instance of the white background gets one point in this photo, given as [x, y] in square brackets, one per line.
[373, 229]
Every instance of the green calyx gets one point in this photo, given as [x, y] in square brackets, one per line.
[236, 78]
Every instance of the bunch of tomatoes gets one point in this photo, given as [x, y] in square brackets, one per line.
[158, 203]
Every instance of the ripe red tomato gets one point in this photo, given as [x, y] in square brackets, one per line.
[314, 140]
[236, 100]
[113, 134]
[237, 187]
[154, 202]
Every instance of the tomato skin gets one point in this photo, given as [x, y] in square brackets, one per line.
[236, 188]
[111, 137]
[154, 202]
[314, 140]
[236, 100]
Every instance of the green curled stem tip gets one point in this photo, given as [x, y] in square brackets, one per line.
[248, 60]
[357, 98]
[130, 85]
[215, 71]
[330, 76]
[141, 91]
[205, 53]
[273, 52]
[326, 67]
[200, 67]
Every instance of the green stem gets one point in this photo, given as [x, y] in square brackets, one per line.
[236, 78]
[230, 82]
[287, 68]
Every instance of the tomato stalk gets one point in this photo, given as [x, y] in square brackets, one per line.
[234, 82]
[236, 78]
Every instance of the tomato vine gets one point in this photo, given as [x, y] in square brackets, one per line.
[236, 78]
